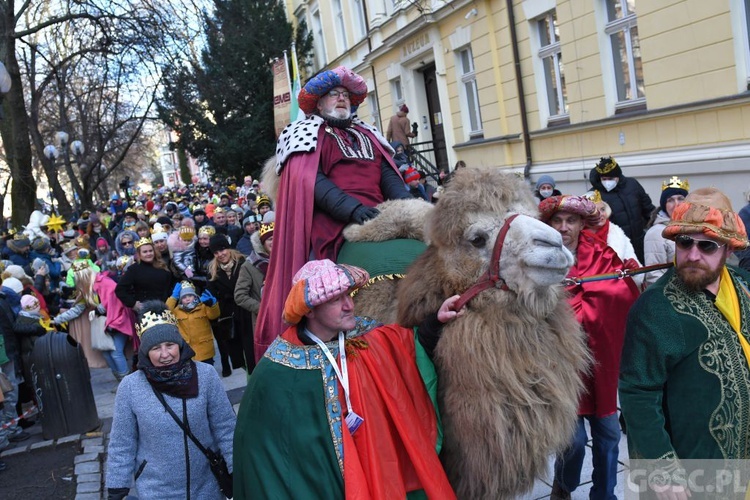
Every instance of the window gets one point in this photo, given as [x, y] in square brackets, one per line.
[398, 94]
[747, 40]
[340, 26]
[622, 30]
[469, 92]
[554, 74]
[359, 19]
[319, 45]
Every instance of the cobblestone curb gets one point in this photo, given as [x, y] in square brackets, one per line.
[89, 470]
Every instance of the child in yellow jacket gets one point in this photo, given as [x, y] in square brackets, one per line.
[194, 315]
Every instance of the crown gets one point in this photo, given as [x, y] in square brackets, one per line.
[19, 236]
[143, 241]
[151, 319]
[219, 210]
[12, 231]
[594, 195]
[186, 284]
[207, 230]
[265, 229]
[80, 265]
[263, 200]
[606, 165]
[186, 233]
[675, 183]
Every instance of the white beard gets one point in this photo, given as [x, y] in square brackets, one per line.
[337, 114]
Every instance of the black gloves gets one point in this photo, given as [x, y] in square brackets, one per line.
[362, 214]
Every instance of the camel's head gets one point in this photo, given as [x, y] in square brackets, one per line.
[465, 225]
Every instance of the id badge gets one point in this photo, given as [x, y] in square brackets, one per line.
[353, 421]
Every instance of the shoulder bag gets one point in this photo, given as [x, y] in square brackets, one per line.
[215, 459]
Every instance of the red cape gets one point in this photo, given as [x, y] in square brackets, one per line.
[602, 308]
[292, 238]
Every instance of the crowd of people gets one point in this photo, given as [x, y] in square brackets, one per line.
[166, 276]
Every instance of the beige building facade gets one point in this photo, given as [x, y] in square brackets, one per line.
[549, 86]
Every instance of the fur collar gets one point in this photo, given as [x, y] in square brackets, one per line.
[302, 137]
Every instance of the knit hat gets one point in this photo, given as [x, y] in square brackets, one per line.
[164, 220]
[672, 187]
[41, 245]
[269, 217]
[545, 179]
[263, 200]
[574, 204]
[218, 242]
[251, 217]
[156, 324]
[608, 167]
[37, 264]
[102, 242]
[410, 175]
[187, 289]
[322, 83]
[14, 271]
[404, 108]
[159, 236]
[708, 211]
[30, 303]
[265, 232]
[13, 284]
[318, 282]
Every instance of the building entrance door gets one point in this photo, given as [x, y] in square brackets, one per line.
[435, 117]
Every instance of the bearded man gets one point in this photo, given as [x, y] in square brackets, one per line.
[601, 308]
[334, 169]
[685, 379]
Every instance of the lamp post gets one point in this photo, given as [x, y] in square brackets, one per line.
[51, 153]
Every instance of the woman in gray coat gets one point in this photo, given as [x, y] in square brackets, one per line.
[146, 445]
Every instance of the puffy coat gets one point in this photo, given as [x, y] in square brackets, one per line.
[195, 327]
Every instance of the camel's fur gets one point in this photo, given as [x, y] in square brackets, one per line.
[397, 219]
[269, 179]
[510, 366]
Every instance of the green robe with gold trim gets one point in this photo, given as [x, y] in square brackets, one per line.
[684, 379]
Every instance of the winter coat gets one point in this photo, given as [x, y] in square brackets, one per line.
[146, 446]
[631, 207]
[27, 329]
[399, 129]
[143, 282]
[223, 289]
[259, 257]
[656, 248]
[7, 320]
[119, 317]
[54, 267]
[195, 327]
[118, 246]
[247, 292]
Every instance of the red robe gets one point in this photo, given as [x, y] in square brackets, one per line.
[293, 233]
[602, 309]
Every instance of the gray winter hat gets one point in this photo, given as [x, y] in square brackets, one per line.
[187, 289]
[156, 324]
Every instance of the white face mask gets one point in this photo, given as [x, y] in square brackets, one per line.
[545, 193]
[609, 185]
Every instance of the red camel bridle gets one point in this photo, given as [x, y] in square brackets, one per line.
[491, 278]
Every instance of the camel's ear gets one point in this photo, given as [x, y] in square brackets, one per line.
[270, 179]
[420, 293]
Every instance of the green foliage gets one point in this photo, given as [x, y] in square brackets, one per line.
[222, 106]
[184, 169]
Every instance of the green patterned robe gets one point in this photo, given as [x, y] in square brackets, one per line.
[684, 380]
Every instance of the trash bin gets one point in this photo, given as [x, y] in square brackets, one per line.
[62, 382]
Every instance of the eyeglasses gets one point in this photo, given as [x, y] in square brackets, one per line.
[707, 247]
[334, 94]
[126, 243]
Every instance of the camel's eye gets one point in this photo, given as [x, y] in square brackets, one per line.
[479, 240]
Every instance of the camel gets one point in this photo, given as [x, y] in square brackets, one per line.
[509, 368]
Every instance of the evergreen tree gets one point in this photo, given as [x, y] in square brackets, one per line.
[222, 107]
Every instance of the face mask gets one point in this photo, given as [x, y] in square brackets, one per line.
[545, 193]
[609, 185]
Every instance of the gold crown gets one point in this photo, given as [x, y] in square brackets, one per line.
[594, 195]
[186, 284]
[143, 241]
[263, 200]
[187, 233]
[207, 230]
[150, 320]
[12, 231]
[19, 236]
[606, 165]
[675, 183]
[80, 265]
[219, 210]
[265, 229]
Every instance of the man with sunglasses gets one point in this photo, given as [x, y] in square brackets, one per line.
[334, 169]
[685, 378]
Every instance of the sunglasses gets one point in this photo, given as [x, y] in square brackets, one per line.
[126, 243]
[707, 247]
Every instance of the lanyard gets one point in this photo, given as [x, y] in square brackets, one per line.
[343, 374]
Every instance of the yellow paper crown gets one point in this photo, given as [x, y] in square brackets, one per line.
[263, 200]
[675, 183]
[207, 230]
[151, 319]
[606, 165]
[80, 265]
[265, 229]
[143, 241]
[186, 233]
[594, 195]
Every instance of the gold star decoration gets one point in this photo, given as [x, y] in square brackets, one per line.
[55, 223]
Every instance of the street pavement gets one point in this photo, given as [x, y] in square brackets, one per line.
[104, 388]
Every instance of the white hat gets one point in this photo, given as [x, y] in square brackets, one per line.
[14, 284]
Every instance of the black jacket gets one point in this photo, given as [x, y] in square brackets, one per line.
[144, 282]
[223, 289]
[631, 207]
